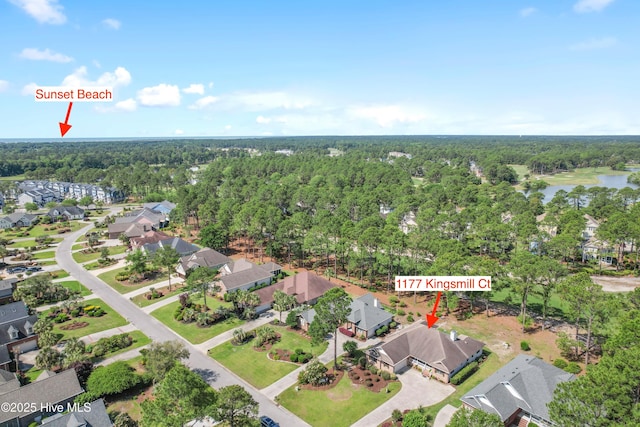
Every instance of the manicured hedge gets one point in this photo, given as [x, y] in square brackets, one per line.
[464, 373]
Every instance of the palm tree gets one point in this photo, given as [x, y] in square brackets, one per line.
[201, 279]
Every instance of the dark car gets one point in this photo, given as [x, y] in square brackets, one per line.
[34, 269]
[12, 270]
[268, 422]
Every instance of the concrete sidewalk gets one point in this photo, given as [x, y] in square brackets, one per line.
[148, 309]
[122, 356]
[174, 281]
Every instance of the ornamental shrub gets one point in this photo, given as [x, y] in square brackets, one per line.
[573, 368]
[560, 363]
[524, 346]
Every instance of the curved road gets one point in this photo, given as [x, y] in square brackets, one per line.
[214, 373]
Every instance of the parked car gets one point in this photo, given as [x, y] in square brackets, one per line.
[15, 270]
[268, 422]
[34, 269]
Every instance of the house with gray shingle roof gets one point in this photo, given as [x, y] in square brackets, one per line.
[367, 315]
[66, 212]
[7, 287]
[18, 219]
[93, 415]
[435, 353]
[520, 390]
[16, 328]
[182, 247]
[205, 257]
[242, 274]
[42, 396]
[164, 207]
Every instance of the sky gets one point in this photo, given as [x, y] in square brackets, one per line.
[284, 68]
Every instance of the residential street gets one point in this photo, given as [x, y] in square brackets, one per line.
[211, 371]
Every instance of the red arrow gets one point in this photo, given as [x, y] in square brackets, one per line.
[64, 127]
[432, 318]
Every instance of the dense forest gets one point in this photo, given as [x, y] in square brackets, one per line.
[360, 213]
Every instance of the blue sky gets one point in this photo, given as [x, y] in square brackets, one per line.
[250, 68]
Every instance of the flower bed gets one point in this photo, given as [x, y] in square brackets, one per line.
[347, 332]
[364, 377]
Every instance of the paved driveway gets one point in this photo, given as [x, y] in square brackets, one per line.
[416, 390]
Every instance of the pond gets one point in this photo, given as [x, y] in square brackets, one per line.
[609, 181]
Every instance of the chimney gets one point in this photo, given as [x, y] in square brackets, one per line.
[453, 335]
[375, 302]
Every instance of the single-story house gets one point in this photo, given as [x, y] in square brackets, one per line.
[93, 416]
[157, 220]
[164, 207]
[18, 219]
[205, 257]
[307, 287]
[131, 230]
[40, 397]
[147, 238]
[367, 315]
[519, 391]
[7, 288]
[16, 327]
[66, 212]
[435, 353]
[182, 247]
[242, 274]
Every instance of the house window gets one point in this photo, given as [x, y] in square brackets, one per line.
[13, 333]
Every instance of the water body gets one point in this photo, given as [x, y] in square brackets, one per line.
[609, 181]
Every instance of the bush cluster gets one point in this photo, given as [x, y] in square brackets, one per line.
[111, 344]
[560, 363]
[381, 331]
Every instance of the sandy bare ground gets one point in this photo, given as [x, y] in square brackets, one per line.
[617, 284]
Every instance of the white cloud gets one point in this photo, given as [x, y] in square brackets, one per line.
[263, 120]
[178, 132]
[528, 11]
[120, 77]
[203, 102]
[44, 55]
[29, 89]
[593, 44]
[4, 85]
[43, 11]
[196, 88]
[162, 95]
[129, 104]
[111, 23]
[268, 100]
[586, 6]
[388, 115]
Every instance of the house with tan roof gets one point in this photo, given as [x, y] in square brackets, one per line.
[436, 354]
[305, 286]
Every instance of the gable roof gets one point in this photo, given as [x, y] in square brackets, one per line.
[367, 312]
[431, 346]
[306, 286]
[181, 246]
[525, 383]
[164, 206]
[14, 317]
[5, 357]
[240, 273]
[129, 229]
[6, 287]
[70, 210]
[205, 257]
[95, 416]
[52, 390]
[8, 381]
[149, 237]
[17, 216]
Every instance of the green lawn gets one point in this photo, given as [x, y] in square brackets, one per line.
[340, 406]
[44, 255]
[75, 286]
[556, 306]
[48, 229]
[109, 278]
[22, 244]
[489, 367]
[141, 301]
[139, 340]
[254, 366]
[80, 257]
[190, 331]
[578, 176]
[109, 320]
[59, 274]
[77, 247]
[47, 262]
